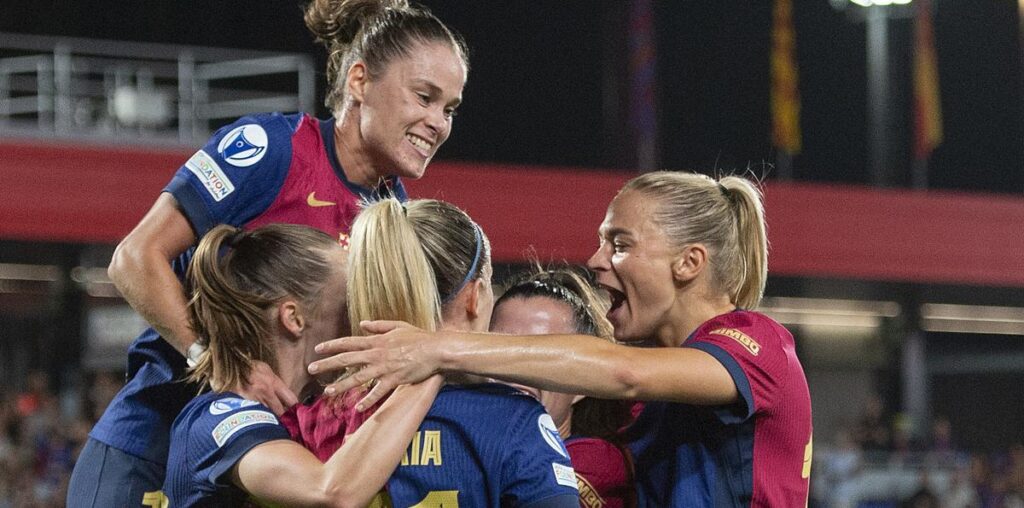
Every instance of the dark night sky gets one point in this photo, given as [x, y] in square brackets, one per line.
[535, 90]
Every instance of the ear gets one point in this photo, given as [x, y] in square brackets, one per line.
[473, 292]
[291, 318]
[690, 262]
[356, 80]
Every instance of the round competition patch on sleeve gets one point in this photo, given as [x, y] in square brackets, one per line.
[228, 404]
[550, 434]
[244, 145]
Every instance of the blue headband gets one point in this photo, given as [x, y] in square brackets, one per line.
[472, 267]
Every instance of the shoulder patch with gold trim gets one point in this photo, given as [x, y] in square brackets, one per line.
[589, 498]
[738, 336]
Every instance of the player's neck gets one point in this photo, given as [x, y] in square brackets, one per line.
[352, 155]
[565, 428]
[690, 310]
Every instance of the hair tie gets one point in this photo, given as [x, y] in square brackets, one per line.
[472, 268]
[234, 237]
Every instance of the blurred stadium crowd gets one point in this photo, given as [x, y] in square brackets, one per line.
[875, 462]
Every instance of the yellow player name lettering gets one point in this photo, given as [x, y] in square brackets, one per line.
[738, 336]
[425, 449]
[155, 499]
[439, 499]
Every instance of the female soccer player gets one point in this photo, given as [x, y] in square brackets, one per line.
[480, 445]
[561, 301]
[684, 259]
[275, 293]
[396, 76]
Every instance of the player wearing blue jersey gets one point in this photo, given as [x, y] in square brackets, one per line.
[396, 76]
[560, 301]
[270, 295]
[682, 256]
[481, 445]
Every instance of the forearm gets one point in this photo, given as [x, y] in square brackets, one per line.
[146, 281]
[564, 363]
[362, 466]
[591, 366]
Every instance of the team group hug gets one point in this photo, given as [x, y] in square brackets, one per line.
[319, 339]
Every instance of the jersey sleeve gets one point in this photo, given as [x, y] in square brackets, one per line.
[237, 174]
[755, 361]
[537, 470]
[220, 439]
[599, 464]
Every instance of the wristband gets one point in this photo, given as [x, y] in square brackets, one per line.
[193, 354]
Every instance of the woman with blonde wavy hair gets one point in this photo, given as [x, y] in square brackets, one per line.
[684, 259]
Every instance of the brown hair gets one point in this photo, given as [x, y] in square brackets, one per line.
[374, 31]
[726, 215]
[591, 417]
[406, 260]
[232, 294]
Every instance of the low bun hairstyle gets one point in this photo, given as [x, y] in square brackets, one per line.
[374, 31]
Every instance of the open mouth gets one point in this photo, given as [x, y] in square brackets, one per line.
[615, 298]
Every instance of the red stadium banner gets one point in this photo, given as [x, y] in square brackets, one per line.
[76, 193]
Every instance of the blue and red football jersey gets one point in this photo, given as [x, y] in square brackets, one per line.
[479, 445]
[261, 169]
[756, 452]
[603, 472]
[210, 436]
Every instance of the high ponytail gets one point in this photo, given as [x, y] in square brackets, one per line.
[389, 275]
[407, 260]
[748, 207]
[374, 31]
[232, 293]
[727, 216]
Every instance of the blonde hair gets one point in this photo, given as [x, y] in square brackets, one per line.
[406, 261]
[726, 215]
[375, 31]
[232, 295]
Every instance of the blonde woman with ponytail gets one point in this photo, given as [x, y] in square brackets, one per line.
[481, 444]
[269, 295]
[395, 77]
[683, 258]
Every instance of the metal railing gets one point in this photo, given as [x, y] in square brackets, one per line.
[131, 92]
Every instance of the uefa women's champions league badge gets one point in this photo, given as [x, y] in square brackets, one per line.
[549, 432]
[244, 145]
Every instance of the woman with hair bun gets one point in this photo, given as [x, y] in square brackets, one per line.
[396, 75]
[274, 293]
[684, 259]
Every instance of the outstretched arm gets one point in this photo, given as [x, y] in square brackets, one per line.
[284, 472]
[564, 363]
